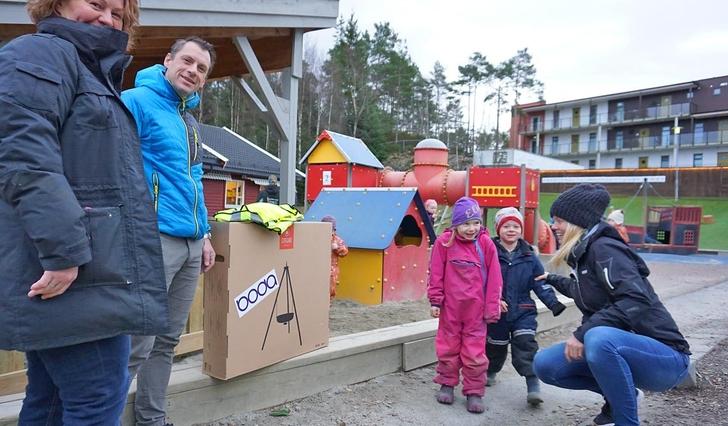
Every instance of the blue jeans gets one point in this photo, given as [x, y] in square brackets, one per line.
[615, 363]
[84, 384]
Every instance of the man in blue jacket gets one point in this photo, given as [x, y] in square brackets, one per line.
[172, 153]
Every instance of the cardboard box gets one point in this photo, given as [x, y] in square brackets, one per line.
[267, 298]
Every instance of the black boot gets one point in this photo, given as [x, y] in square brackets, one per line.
[605, 415]
[533, 387]
[491, 379]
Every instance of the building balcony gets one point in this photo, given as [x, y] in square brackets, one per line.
[568, 149]
[639, 115]
[717, 137]
[654, 113]
[637, 143]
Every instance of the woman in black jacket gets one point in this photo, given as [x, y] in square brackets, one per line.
[627, 339]
[80, 256]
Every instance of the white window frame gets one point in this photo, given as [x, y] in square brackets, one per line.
[239, 196]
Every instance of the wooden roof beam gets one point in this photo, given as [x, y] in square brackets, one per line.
[270, 99]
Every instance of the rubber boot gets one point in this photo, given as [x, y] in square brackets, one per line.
[491, 379]
[475, 404]
[445, 395]
[534, 391]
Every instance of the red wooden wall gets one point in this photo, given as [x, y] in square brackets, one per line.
[214, 191]
[251, 191]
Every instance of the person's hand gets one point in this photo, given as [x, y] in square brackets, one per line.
[208, 255]
[542, 276]
[574, 350]
[434, 312]
[334, 246]
[503, 306]
[53, 283]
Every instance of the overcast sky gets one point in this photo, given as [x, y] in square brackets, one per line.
[580, 48]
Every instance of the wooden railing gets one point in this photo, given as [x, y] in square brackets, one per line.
[12, 364]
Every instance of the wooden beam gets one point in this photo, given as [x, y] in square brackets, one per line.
[269, 97]
[10, 31]
[191, 342]
[273, 53]
[161, 43]
[11, 383]
[194, 322]
[172, 33]
[14, 382]
[11, 361]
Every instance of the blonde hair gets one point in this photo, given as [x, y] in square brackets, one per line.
[41, 9]
[454, 229]
[450, 242]
[572, 236]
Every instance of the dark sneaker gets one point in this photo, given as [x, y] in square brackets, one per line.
[445, 395]
[605, 417]
[475, 404]
[491, 379]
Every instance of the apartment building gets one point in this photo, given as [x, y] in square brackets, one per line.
[678, 125]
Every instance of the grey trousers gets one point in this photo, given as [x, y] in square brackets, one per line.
[151, 356]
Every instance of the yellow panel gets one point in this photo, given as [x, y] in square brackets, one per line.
[326, 152]
[360, 276]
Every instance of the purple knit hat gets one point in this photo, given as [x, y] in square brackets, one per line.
[330, 219]
[465, 209]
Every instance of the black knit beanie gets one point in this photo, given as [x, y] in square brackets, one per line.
[582, 205]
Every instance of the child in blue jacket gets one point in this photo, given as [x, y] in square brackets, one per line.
[517, 325]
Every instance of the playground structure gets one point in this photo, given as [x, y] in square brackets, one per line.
[665, 229]
[388, 254]
[339, 161]
[388, 261]
[668, 229]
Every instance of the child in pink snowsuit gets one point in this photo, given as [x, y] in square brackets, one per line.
[338, 249]
[464, 291]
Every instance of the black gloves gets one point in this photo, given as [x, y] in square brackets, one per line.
[558, 308]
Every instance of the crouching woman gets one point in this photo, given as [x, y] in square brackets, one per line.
[627, 339]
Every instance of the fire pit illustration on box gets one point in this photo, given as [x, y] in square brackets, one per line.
[265, 287]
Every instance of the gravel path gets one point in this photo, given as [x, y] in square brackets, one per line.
[696, 295]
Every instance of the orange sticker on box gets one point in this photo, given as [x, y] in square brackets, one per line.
[286, 239]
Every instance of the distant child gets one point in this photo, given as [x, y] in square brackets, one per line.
[431, 208]
[464, 290]
[338, 249]
[269, 193]
[616, 219]
[517, 326]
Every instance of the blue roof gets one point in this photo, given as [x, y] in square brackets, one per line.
[368, 217]
[353, 149]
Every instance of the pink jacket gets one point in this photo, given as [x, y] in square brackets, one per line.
[456, 279]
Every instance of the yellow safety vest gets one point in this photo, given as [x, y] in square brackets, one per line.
[275, 217]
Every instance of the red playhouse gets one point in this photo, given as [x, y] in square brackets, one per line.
[668, 229]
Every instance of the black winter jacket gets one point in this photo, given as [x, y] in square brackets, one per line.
[609, 285]
[72, 192]
[519, 271]
[269, 194]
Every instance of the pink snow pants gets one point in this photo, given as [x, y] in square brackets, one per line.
[460, 344]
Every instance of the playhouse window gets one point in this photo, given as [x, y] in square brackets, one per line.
[409, 233]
